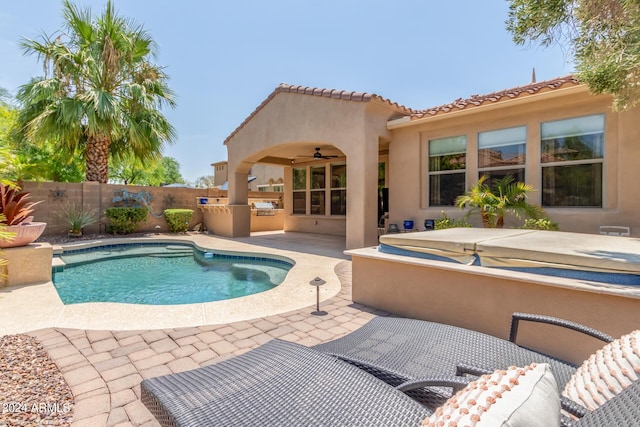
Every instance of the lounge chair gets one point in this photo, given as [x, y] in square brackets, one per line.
[398, 350]
[286, 384]
[280, 383]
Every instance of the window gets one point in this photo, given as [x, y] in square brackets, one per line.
[318, 190]
[300, 191]
[447, 163]
[278, 188]
[499, 151]
[338, 189]
[571, 157]
[263, 188]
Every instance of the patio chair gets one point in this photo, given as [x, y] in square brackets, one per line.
[281, 383]
[398, 350]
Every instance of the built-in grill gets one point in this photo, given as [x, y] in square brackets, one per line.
[263, 208]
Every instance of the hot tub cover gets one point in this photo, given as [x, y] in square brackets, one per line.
[526, 248]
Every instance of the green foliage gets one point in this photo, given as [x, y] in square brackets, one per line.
[101, 96]
[178, 219]
[125, 220]
[602, 35]
[446, 222]
[493, 202]
[207, 181]
[28, 161]
[540, 224]
[77, 216]
[132, 171]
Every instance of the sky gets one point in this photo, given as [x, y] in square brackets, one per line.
[225, 57]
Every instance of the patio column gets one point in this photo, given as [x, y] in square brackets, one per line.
[238, 204]
[362, 194]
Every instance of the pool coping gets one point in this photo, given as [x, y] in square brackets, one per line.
[36, 306]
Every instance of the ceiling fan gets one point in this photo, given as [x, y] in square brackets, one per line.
[318, 155]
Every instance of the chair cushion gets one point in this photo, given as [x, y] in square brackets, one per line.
[606, 372]
[516, 397]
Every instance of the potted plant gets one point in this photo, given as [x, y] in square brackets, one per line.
[77, 216]
[15, 211]
[493, 202]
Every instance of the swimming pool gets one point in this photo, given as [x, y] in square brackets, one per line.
[162, 274]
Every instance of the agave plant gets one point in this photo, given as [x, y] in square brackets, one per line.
[14, 205]
[493, 202]
[77, 216]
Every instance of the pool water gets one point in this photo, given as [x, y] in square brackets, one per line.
[159, 275]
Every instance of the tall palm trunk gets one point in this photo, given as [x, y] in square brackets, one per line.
[97, 158]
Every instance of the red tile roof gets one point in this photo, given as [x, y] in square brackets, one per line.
[325, 93]
[457, 105]
[503, 95]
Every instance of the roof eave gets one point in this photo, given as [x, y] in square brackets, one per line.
[506, 103]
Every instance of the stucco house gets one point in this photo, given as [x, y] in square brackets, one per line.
[340, 150]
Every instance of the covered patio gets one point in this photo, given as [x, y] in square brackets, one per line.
[330, 144]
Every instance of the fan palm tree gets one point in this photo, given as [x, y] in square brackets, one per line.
[493, 202]
[100, 95]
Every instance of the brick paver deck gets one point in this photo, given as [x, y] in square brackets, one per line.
[104, 368]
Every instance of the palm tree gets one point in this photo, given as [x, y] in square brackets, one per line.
[494, 202]
[100, 95]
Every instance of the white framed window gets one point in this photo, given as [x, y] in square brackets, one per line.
[447, 169]
[300, 191]
[572, 156]
[325, 183]
[502, 152]
[338, 189]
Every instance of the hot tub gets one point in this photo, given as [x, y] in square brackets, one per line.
[592, 257]
[476, 278]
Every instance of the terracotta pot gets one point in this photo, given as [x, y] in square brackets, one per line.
[25, 234]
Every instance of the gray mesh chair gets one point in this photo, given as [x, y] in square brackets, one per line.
[398, 350]
[281, 383]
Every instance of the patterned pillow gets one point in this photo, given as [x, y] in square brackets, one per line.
[606, 373]
[516, 397]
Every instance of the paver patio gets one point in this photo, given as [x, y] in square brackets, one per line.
[104, 368]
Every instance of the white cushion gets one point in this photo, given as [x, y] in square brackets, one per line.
[525, 397]
[606, 372]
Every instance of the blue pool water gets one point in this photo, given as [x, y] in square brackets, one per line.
[167, 274]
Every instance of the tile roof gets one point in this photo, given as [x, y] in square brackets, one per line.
[325, 93]
[457, 105]
[495, 97]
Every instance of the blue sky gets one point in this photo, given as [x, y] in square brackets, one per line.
[225, 57]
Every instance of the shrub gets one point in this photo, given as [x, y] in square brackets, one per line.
[178, 219]
[445, 222]
[540, 224]
[125, 220]
[77, 216]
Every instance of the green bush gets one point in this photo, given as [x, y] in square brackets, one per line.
[540, 224]
[445, 222]
[178, 219]
[125, 220]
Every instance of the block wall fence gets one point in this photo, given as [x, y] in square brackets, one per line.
[99, 197]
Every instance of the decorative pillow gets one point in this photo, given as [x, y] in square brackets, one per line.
[606, 372]
[525, 397]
